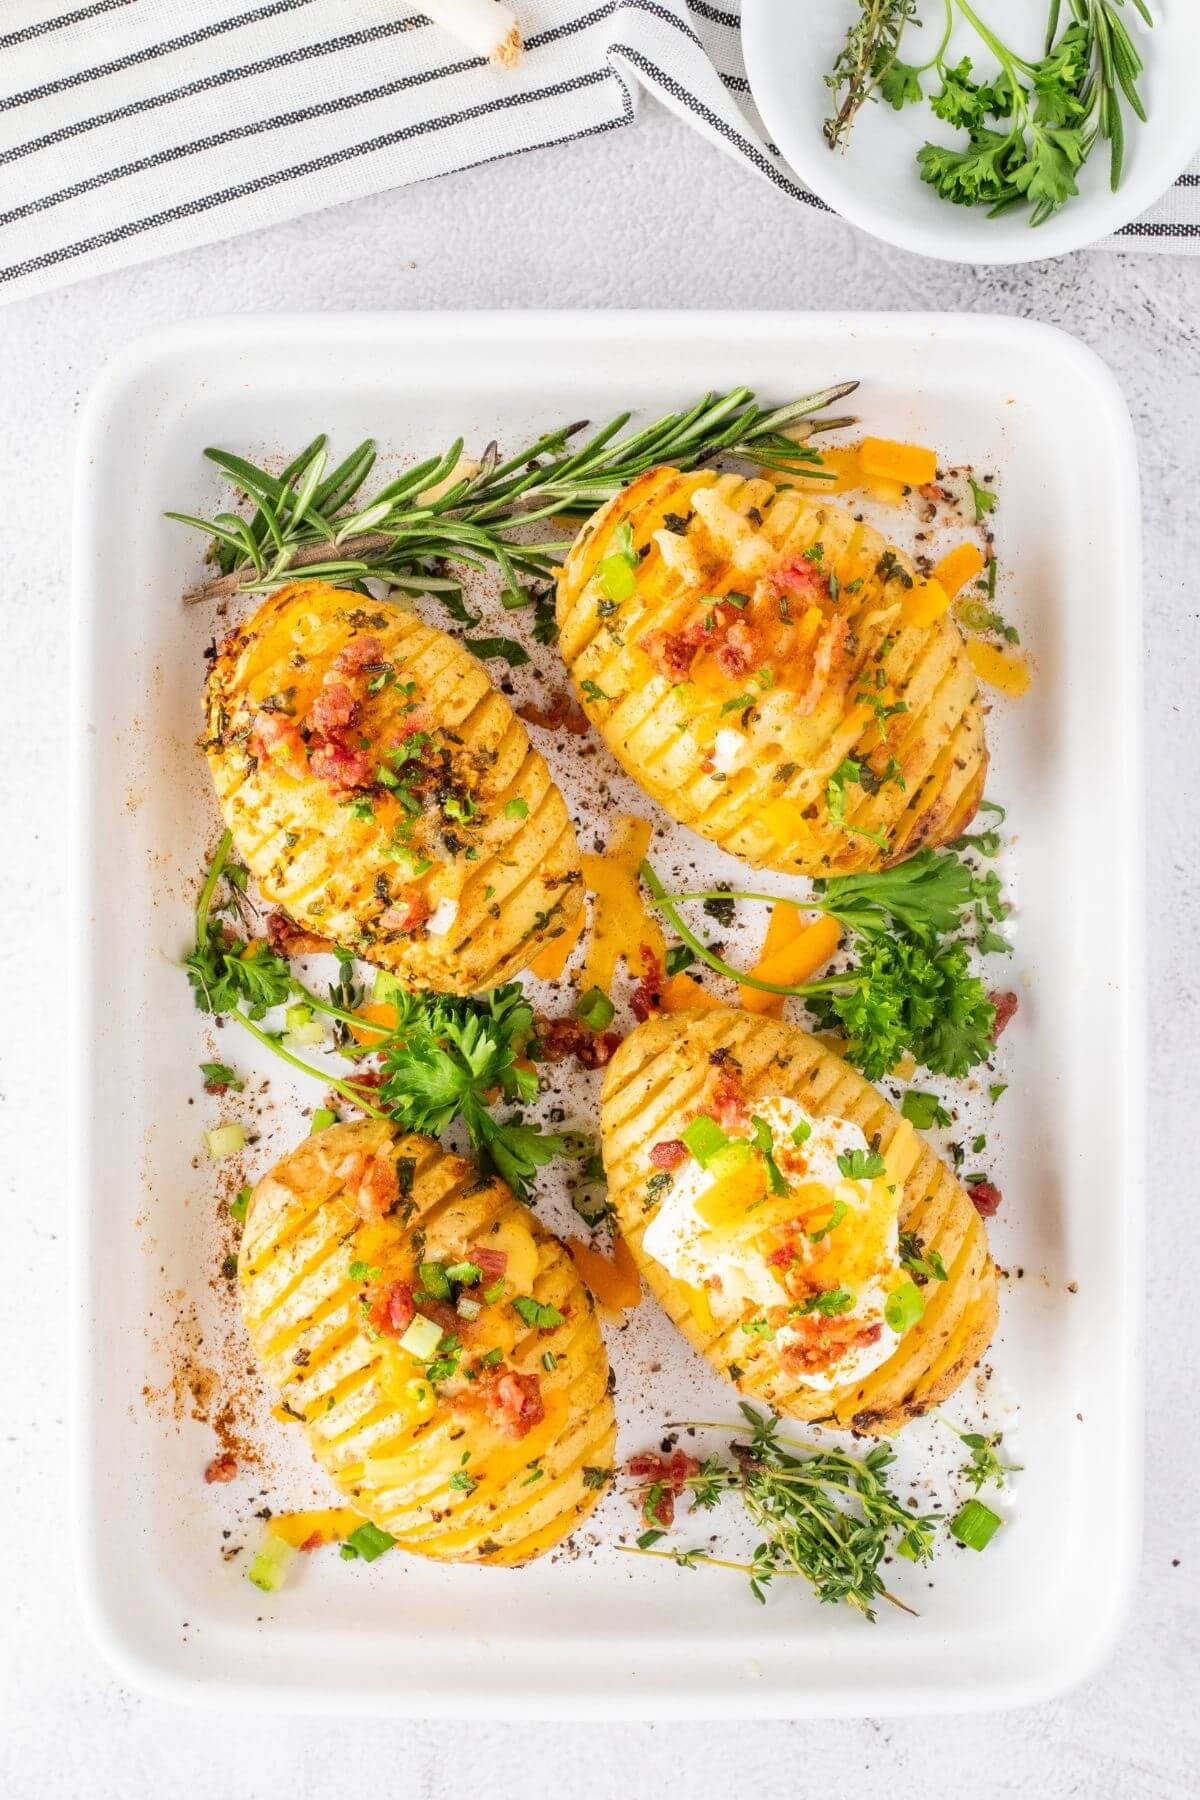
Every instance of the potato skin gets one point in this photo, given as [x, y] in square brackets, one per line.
[813, 718]
[308, 1326]
[657, 1082]
[327, 856]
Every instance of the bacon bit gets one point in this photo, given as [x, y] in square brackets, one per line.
[357, 654]
[333, 712]
[735, 653]
[1006, 1010]
[646, 997]
[407, 913]
[312, 1542]
[275, 738]
[801, 578]
[393, 1309]
[664, 1479]
[829, 647]
[514, 1402]
[371, 1182]
[931, 490]
[287, 939]
[221, 1469]
[670, 1154]
[727, 1101]
[415, 722]
[343, 768]
[986, 1198]
[825, 1342]
[784, 1257]
[562, 714]
[490, 1263]
[560, 1039]
[673, 652]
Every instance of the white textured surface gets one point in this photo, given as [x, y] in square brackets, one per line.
[649, 217]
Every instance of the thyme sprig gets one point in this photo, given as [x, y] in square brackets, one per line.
[316, 522]
[826, 1516]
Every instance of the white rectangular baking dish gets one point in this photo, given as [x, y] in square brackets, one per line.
[596, 1633]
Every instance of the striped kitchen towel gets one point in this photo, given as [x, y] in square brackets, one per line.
[133, 128]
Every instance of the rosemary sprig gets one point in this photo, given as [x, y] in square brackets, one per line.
[826, 1516]
[315, 522]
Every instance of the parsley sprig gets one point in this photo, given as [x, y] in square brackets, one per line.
[445, 1060]
[911, 988]
[825, 1515]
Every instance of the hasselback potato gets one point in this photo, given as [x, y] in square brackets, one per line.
[384, 794]
[772, 672]
[435, 1341]
[844, 1276]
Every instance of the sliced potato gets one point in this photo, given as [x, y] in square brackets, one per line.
[662, 1078]
[384, 794]
[772, 672]
[486, 1462]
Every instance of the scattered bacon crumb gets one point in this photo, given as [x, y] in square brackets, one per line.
[342, 767]
[312, 1542]
[221, 1469]
[735, 653]
[559, 1039]
[669, 1154]
[662, 1480]
[275, 738]
[646, 997]
[1006, 1005]
[407, 913]
[826, 1342]
[514, 1402]
[673, 652]
[393, 1309]
[727, 1102]
[801, 578]
[986, 1198]
[561, 714]
[334, 711]
[783, 1257]
[932, 490]
[288, 939]
[490, 1263]
[371, 1182]
[358, 653]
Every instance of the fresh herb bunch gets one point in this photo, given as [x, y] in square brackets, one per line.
[1048, 112]
[443, 1060]
[911, 988]
[447, 1058]
[313, 521]
[825, 1515]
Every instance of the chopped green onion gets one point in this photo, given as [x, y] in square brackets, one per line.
[367, 1541]
[516, 808]
[434, 1279]
[466, 1308]
[237, 1208]
[298, 1015]
[270, 1563]
[323, 1117]
[549, 1361]
[536, 1313]
[594, 1009]
[225, 1140]
[975, 1525]
[465, 1274]
[802, 1132]
[422, 1338]
[704, 1138]
[904, 1307]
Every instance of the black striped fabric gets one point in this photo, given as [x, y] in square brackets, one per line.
[134, 128]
